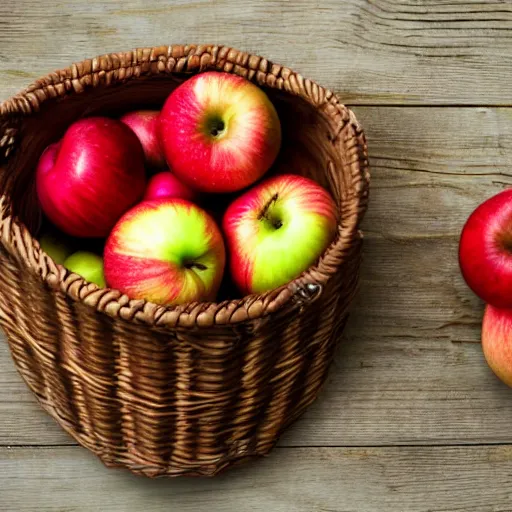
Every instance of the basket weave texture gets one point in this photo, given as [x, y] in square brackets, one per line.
[187, 390]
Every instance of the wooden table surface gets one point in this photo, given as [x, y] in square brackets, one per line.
[411, 418]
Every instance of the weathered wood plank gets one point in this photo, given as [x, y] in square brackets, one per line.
[378, 52]
[410, 370]
[431, 167]
[301, 480]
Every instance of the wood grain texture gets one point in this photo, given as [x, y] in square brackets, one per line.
[299, 480]
[410, 370]
[370, 52]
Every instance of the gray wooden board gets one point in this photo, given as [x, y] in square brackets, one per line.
[395, 479]
[371, 52]
[410, 369]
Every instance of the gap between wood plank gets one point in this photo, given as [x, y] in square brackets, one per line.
[293, 447]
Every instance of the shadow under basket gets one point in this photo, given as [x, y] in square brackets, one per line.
[194, 389]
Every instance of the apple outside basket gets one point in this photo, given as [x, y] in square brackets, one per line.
[194, 389]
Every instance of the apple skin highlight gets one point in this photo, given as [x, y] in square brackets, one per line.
[165, 184]
[167, 251]
[89, 179]
[277, 230]
[220, 133]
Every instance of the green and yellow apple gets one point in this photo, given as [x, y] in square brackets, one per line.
[88, 265]
[219, 132]
[56, 247]
[167, 251]
[277, 230]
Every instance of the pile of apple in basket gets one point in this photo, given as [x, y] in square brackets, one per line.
[137, 184]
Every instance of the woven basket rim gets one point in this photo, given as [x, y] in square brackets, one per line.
[147, 62]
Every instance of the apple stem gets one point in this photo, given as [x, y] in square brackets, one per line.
[264, 212]
[264, 215]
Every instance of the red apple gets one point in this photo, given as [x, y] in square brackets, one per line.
[219, 132]
[90, 178]
[497, 342]
[165, 184]
[144, 123]
[485, 250]
[167, 251]
[277, 230]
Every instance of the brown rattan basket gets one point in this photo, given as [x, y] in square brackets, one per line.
[187, 390]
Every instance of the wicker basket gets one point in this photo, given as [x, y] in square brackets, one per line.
[185, 390]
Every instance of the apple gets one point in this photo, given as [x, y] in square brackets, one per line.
[144, 124]
[91, 177]
[219, 132]
[497, 342]
[277, 230]
[165, 184]
[88, 265]
[55, 247]
[167, 251]
[485, 250]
